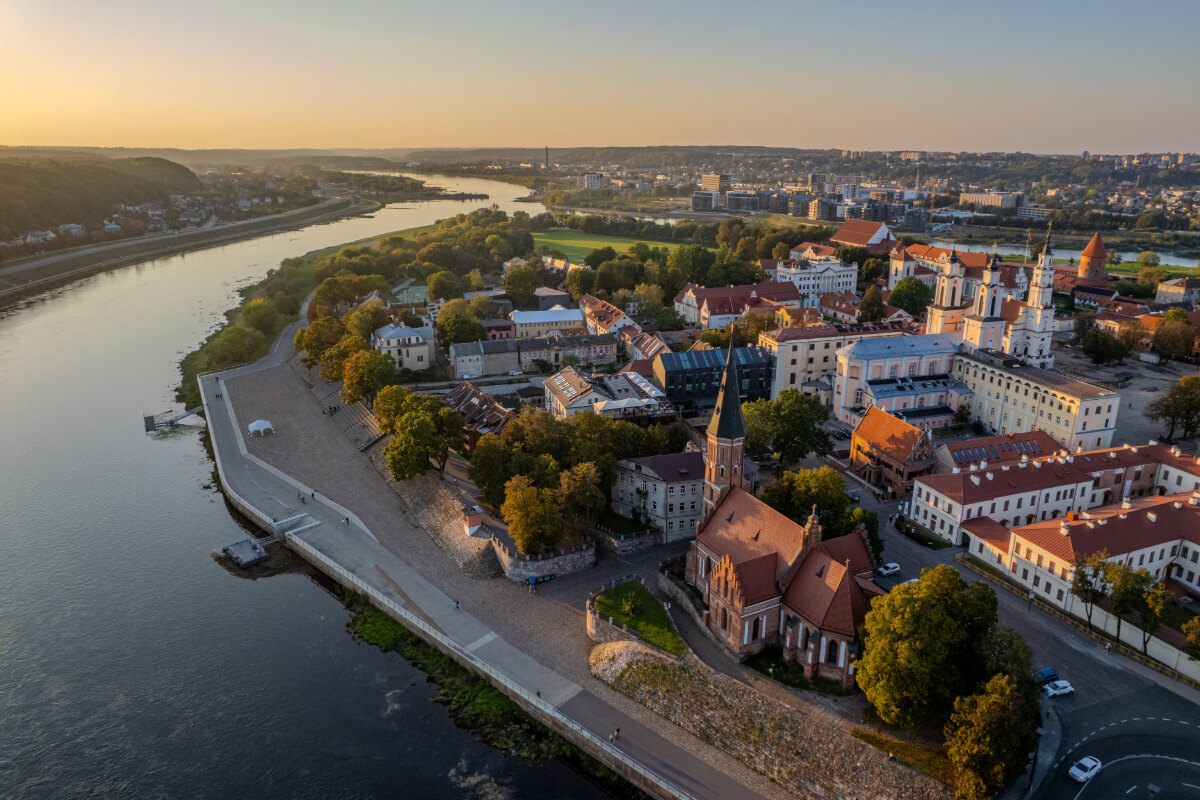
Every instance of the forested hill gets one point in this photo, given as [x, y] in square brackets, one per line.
[39, 194]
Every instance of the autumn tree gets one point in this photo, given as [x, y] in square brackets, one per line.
[444, 285]
[367, 318]
[1090, 580]
[795, 494]
[1179, 407]
[533, 516]
[364, 373]
[1152, 276]
[1191, 629]
[1152, 609]
[334, 359]
[390, 404]
[989, 737]
[521, 281]
[1128, 587]
[318, 337]
[407, 454]
[580, 496]
[261, 315]
[1173, 338]
[871, 309]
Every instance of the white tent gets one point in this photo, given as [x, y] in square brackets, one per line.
[261, 426]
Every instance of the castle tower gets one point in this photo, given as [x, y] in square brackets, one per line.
[945, 314]
[1093, 260]
[902, 265]
[726, 440]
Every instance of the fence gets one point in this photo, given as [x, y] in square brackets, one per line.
[467, 658]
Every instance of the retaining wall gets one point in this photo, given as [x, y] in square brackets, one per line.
[521, 568]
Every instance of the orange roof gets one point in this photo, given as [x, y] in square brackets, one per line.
[990, 531]
[887, 434]
[826, 593]
[745, 528]
[1095, 249]
[856, 232]
[928, 252]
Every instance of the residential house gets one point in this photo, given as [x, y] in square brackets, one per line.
[907, 375]
[874, 236]
[540, 324]
[724, 301]
[888, 452]
[480, 359]
[818, 275]
[548, 298]
[806, 357]
[1179, 291]
[665, 491]
[497, 329]
[481, 413]
[626, 396]
[410, 348]
[601, 316]
[559, 349]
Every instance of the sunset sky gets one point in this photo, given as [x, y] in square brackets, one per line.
[1048, 76]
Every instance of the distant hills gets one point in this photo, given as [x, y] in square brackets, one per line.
[38, 193]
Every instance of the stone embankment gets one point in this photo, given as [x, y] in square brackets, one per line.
[796, 751]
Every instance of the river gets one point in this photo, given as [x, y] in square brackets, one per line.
[1165, 259]
[133, 663]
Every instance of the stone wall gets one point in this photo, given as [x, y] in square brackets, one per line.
[521, 568]
[797, 751]
[627, 545]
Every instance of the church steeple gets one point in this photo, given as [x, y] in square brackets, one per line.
[726, 439]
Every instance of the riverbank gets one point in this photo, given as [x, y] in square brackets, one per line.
[39, 274]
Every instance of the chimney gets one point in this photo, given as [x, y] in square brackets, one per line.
[1037, 465]
[991, 477]
[1123, 516]
[1004, 468]
[974, 467]
[1023, 463]
[983, 465]
[1064, 528]
[1103, 520]
[1151, 516]
[1070, 459]
[1126, 504]
[975, 479]
[1024, 459]
[1091, 524]
[955, 471]
[1178, 504]
[1112, 454]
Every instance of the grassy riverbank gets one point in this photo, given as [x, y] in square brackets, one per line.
[476, 705]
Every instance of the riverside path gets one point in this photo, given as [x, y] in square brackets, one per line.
[267, 494]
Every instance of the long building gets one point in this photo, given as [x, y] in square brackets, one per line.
[691, 380]
[806, 358]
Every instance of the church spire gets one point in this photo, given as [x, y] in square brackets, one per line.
[727, 421]
[1046, 250]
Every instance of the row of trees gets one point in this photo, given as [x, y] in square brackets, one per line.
[1178, 408]
[568, 463]
[933, 652]
[423, 429]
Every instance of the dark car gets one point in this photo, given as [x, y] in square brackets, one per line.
[1043, 676]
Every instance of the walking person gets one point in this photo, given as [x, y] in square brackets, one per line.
[616, 734]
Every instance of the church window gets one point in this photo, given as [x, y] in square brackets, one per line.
[831, 652]
[755, 631]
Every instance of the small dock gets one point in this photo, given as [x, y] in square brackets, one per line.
[249, 552]
[246, 553]
[158, 422]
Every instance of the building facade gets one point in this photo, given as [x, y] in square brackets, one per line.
[887, 452]
[806, 357]
[410, 348]
[691, 380]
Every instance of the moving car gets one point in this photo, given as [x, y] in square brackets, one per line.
[1056, 688]
[1085, 769]
[890, 568]
[1046, 675]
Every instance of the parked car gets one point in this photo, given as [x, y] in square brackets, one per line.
[470, 376]
[890, 568]
[515, 372]
[1085, 769]
[1056, 688]
[1044, 676]
[855, 497]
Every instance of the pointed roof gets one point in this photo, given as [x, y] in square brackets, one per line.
[1046, 250]
[1095, 249]
[900, 251]
[727, 421]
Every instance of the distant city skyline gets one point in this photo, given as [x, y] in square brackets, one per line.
[931, 75]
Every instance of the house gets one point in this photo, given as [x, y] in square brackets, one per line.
[874, 236]
[692, 298]
[514, 262]
[601, 316]
[481, 413]
[765, 579]
[497, 329]
[644, 346]
[907, 375]
[806, 357]
[470, 360]
[1003, 449]
[626, 396]
[888, 452]
[811, 251]
[841, 306]
[1180, 291]
[665, 491]
[691, 380]
[548, 298]
[817, 275]
[563, 349]
[410, 348]
[539, 324]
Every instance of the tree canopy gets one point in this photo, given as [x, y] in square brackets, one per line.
[911, 295]
[871, 309]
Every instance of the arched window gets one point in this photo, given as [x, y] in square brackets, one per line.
[724, 620]
[756, 630]
[831, 652]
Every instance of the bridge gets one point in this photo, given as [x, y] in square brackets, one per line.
[158, 422]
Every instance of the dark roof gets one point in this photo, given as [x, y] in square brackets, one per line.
[671, 467]
[710, 358]
[727, 422]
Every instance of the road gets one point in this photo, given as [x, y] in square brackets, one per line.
[341, 537]
[1119, 708]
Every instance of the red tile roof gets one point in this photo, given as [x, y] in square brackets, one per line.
[990, 531]
[928, 252]
[1095, 249]
[825, 592]
[856, 232]
[888, 434]
[1003, 448]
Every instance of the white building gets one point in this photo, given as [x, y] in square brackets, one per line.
[819, 276]
[410, 348]
[666, 491]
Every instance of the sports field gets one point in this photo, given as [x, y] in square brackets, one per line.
[577, 245]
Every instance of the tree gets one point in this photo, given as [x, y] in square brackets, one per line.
[580, 282]
[1128, 586]
[334, 359]
[797, 421]
[1131, 334]
[1173, 339]
[911, 295]
[989, 737]
[489, 468]
[922, 645]
[533, 516]
[962, 414]
[1179, 407]
[457, 326]
[261, 315]
[414, 441]
[580, 496]
[1103, 347]
[1191, 629]
[1152, 276]
[390, 403]
[796, 493]
[693, 261]
[520, 283]
[648, 297]
[1090, 580]
[285, 304]
[1148, 258]
[318, 337]
[367, 318]
[759, 416]
[871, 308]
[1005, 652]
[780, 251]
[1153, 611]
[1175, 315]
[364, 373]
[235, 344]
[599, 255]
[1084, 322]
[444, 285]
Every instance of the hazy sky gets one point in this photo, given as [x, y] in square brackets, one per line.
[1044, 76]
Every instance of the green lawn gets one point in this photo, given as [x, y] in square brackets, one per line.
[577, 245]
[632, 605]
[934, 763]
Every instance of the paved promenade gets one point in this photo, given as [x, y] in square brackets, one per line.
[340, 536]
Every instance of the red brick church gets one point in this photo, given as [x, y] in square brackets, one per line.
[766, 579]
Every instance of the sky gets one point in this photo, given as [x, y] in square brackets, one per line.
[1053, 76]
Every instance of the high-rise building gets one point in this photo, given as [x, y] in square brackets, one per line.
[715, 182]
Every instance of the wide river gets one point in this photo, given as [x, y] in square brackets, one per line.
[132, 664]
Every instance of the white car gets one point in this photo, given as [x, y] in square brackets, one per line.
[515, 372]
[890, 568]
[1085, 769]
[1055, 688]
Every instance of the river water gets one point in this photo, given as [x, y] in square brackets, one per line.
[1165, 259]
[132, 664]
